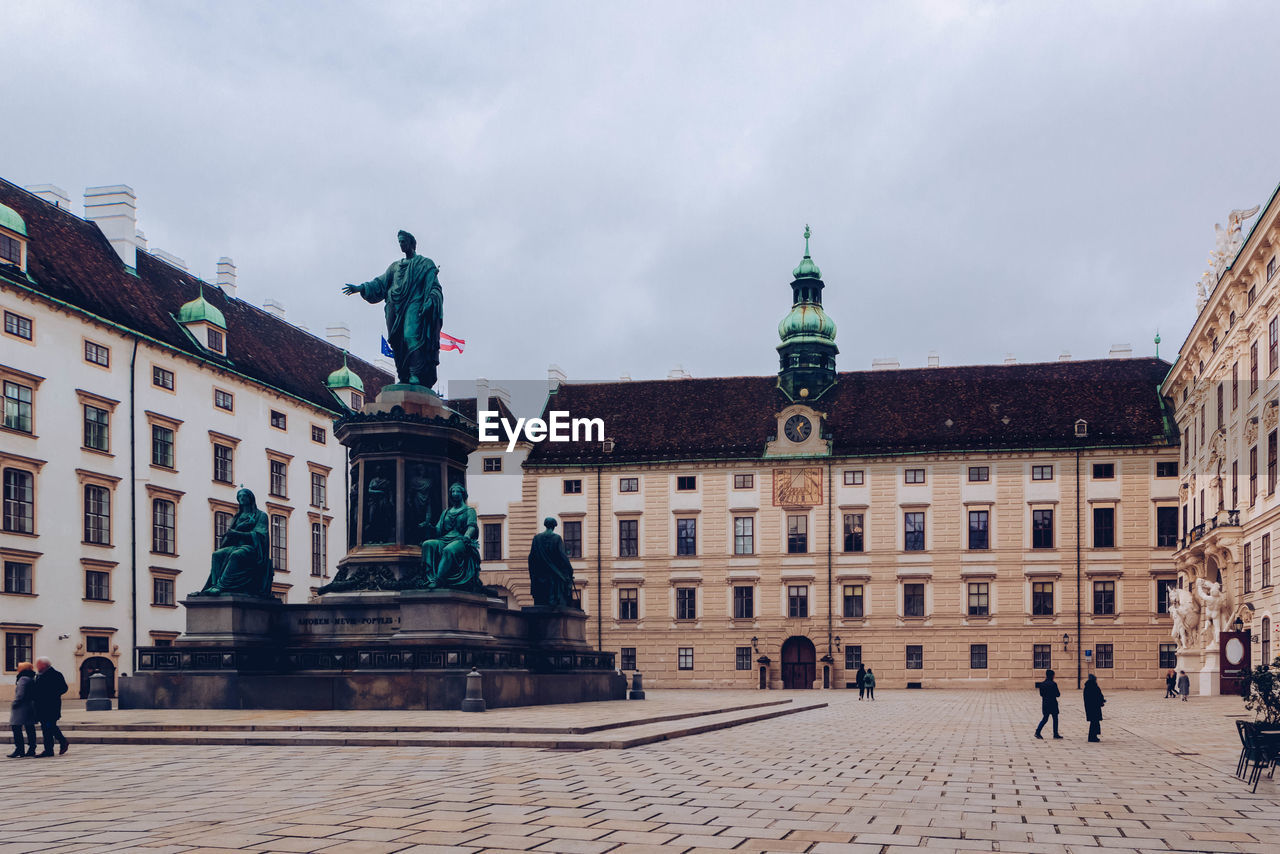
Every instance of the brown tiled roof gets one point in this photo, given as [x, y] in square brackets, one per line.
[70, 260]
[984, 407]
[466, 407]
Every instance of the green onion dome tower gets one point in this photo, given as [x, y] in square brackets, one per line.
[807, 353]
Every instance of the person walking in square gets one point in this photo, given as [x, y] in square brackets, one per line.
[22, 715]
[1049, 694]
[1093, 703]
[1170, 685]
[47, 690]
[869, 681]
[1184, 685]
[860, 678]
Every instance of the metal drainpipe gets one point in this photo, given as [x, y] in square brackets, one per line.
[133, 506]
[830, 602]
[599, 568]
[1079, 647]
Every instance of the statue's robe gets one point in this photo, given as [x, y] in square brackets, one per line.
[550, 572]
[451, 561]
[414, 308]
[243, 562]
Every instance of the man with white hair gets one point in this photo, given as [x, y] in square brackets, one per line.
[48, 688]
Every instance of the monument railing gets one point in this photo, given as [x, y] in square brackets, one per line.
[294, 659]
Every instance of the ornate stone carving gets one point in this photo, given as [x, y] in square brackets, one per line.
[1186, 617]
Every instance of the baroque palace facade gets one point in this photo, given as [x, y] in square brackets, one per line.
[965, 526]
[1226, 387]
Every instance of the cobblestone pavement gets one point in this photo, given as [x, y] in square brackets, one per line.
[916, 771]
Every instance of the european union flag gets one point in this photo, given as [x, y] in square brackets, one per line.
[386, 349]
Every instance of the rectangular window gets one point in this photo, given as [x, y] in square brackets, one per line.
[628, 484]
[221, 522]
[979, 599]
[1221, 389]
[18, 577]
[1104, 597]
[19, 501]
[914, 476]
[493, 541]
[1104, 527]
[1168, 656]
[164, 529]
[1253, 367]
[10, 250]
[1167, 468]
[853, 477]
[797, 600]
[744, 538]
[573, 486]
[97, 514]
[573, 539]
[977, 656]
[1042, 529]
[224, 400]
[684, 658]
[1104, 655]
[1042, 598]
[1163, 586]
[744, 602]
[17, 407]
[161, 446]
[1042, 472]
[17, 325]
[319, 489]
[853, 532]
[686, 483]
[1166, 527]
[913, 600]
[1271, 272]
[280, 542]
[913, 531]
[1253, 475]
[1104, 471]
[97, 428]
[628, 537]
[222, 463]
[1248, 567]
[797, 534]
[979, 474]
[627, 658]
[1041, 656]
[214, 338]
[318, 435]
[853, 602]
[278, 478]
[1271, 463]
[17, 649]
[744, 481]
[492, 464]
[1273, 346]
[357, 401]
[686, 603]
[686, 537]
[852, 656]
[1235, 385]
[1266, 560]
[628, 603]
[915, 657]
[97, 585]
[1235, 484]
[319, 549]
[161, 377]
[742, 658]
[279, 420]
[96, 354]
[978, 520]
[162, 593]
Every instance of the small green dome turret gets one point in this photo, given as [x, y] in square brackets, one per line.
[10, 219]
[200, 310]
[344, 377]
[807, 352]
[807, 321]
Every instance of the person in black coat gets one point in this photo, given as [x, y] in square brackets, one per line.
[47, 690]
[1171, 685]
[1093, 703]
[1049, 694]
[22, 715]
[859, 678]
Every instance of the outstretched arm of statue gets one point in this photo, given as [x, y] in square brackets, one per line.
[350, 289]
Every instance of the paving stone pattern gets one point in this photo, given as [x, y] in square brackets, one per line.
[916, 771]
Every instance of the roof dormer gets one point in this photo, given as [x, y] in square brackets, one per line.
[346, 386]
[205, 323]
[13, 238]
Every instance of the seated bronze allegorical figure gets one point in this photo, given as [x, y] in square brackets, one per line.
[451, 560]
[242, 563]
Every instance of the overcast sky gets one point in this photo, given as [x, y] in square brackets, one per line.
[620, 188]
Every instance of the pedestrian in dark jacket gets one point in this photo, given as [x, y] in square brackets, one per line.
[1171, 685]
[1093, 703]
[1049, 694]
[860, 678]
[47, 689]
[870, 681]
[22, 716]
[1184, 685]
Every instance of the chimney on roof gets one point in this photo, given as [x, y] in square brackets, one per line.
[274, 308]
[885, 364]
[501, 393]
[339, 335]
[626, 378]
[115, 211]
[679, 373]
[935, 360]
[226, 276]
[141, 240]
[167, 257]
[1064, 356]
[385, 364]
[1010, 359]
[52, 194]
[1120, 351]
[555, 377]
[482, 395]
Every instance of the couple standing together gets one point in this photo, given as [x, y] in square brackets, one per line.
[1093, 703]
[37, 698]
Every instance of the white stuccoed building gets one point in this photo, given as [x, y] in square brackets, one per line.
[137, 400]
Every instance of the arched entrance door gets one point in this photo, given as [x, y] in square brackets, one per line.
[798, 662]
[97, 664]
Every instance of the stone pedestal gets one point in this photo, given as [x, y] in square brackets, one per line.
[443, 615]
[556, 627]
[1210, 675]
[229, 619]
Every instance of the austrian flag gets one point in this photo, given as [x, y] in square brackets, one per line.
[448, 342]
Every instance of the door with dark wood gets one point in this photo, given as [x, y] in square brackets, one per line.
[798, 663]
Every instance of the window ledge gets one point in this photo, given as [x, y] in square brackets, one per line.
[23, 595]
[173, 555]
[158, 605]
[98, 545]
[31, 534]
[97, 451]
[17, 432]
[100, 601]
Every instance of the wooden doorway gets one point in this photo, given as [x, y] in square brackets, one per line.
[798, 663]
